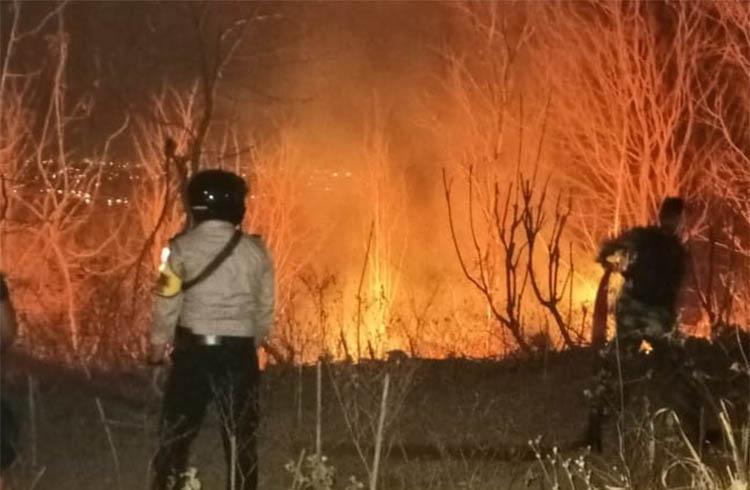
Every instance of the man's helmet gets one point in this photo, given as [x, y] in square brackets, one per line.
[217, 194]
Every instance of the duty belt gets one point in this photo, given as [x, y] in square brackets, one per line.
[208, 339]
[185, 336]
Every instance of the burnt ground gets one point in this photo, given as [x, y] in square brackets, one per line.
[451, 423]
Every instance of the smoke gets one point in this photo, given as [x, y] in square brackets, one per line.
[375, 104]
[344, 115]
[362, 82]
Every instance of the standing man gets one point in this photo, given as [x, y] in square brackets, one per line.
[214, 302]
[652, 261]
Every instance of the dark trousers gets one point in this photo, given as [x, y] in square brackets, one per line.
[609, 394]
[8, 436]
[226, 374]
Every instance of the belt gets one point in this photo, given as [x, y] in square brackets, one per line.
[186, 336]
[209, 339]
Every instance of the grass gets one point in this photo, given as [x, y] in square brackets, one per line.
[449, 424]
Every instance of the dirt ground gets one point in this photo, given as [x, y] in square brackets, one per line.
[450, 423]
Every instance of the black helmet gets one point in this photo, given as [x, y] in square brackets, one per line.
[217, 194]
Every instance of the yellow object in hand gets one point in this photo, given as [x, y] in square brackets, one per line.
[169, 283]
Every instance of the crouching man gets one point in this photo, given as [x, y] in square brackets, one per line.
[214, 302]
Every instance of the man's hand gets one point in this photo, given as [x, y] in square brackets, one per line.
[157, 354]
[619, 260]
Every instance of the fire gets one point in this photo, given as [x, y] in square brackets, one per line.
[348, 189]
[646, 347]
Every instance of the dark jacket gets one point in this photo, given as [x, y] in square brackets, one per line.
[656, 261]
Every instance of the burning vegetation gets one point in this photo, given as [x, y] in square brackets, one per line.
[439, 190]
[434, 182]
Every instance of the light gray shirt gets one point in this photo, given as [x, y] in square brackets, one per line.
[236, 299]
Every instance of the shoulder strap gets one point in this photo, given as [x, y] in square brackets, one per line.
[216, 262]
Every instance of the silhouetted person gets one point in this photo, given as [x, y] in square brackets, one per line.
[215, 301]
[652, 261]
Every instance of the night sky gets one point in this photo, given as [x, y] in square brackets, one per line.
[294, 59]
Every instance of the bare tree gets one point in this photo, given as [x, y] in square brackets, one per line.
[556, 290]
[518, 221]
[17, 89]
[502, 130]
[724, 244]
[627, 89]
[54, 192]
[507, 308]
